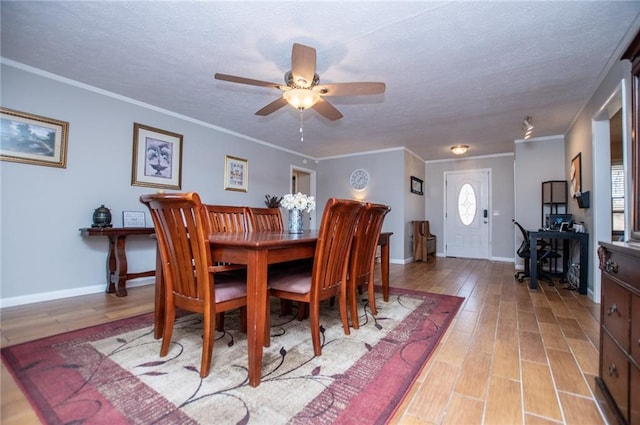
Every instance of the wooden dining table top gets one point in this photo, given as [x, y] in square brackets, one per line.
[264, 239]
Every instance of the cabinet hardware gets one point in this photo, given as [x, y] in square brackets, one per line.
[611, 267]
[612, 309]
[613, 370]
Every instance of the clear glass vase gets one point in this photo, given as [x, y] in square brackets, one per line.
[295, 221]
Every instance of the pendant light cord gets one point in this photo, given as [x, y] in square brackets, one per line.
[301, 125]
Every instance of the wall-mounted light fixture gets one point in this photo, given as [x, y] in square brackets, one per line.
[459, 149]
[527, 127]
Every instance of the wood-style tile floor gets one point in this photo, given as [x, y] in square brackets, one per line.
[511, 356]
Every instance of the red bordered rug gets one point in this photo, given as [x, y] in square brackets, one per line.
[112, 373]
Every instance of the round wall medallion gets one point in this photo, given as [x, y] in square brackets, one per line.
[359, 179]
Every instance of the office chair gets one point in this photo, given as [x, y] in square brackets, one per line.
[545, 252]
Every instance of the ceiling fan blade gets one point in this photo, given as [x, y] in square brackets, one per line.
[327, 110]
[350, 89]
[242, 80]
[272, 107]
[303, 64]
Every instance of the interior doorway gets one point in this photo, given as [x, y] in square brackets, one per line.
[467, 218]
[304, 180]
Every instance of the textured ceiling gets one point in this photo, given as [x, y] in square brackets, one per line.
[456, 72]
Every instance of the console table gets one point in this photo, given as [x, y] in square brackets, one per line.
[117, 274]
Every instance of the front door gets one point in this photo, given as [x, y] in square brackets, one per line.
[467, 214]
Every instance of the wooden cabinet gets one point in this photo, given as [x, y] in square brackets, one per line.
[619, 373]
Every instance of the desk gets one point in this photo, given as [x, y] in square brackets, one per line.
[117, 273]
[582, 238]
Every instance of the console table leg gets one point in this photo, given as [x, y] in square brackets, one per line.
[120, 275]
[111, 265]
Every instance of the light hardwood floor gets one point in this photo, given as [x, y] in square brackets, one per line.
[511, 356]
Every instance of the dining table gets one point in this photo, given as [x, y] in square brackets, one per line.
[257, 250]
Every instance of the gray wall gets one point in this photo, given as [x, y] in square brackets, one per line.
[386, 186]
[580, 139]
[414, 204]
[536, 160]
[502, 189]
[43, 254]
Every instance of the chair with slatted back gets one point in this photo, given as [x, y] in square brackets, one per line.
[328, 276]
[363, 255]
[228, 218]
[181, 227]
[266, 219]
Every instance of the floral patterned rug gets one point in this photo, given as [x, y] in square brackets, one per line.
[112, 373]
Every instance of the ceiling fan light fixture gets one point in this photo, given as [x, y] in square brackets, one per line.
[301, 98]
[459, 149]
[527, 127]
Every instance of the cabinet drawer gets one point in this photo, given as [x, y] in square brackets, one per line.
[635, 328]
[615, 310]
[623, 267]
[614, 370]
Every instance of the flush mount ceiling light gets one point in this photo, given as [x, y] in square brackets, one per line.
[527, 127]
[459, 149]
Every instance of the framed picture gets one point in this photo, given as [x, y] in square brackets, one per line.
[32, 139]
[157, 158]
[236, 174]
[575, 175]
[416, 186]
[133, 219]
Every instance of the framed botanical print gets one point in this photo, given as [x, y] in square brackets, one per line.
[157, 158]
[236, 174]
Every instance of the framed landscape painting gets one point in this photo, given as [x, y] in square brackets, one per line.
[157, 158]
[33, 139]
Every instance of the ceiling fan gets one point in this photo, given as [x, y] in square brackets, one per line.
[302, 89]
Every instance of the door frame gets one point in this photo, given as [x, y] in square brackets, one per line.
[489, 202]
[313, 178]
[620, 98]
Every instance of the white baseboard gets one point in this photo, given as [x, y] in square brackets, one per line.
[503, 259]
[67, 293]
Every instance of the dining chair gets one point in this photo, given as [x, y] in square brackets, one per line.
[363, 256]
[265, 219]
[328, 276]
[228, 218]
[181, 227]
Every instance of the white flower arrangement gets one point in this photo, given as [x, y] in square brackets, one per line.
[298, 201]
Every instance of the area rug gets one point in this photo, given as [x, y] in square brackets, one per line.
[112, 373]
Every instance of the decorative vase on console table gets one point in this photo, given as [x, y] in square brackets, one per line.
[295, 221]
[297, 204]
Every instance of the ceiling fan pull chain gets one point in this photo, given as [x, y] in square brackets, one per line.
[301, 129]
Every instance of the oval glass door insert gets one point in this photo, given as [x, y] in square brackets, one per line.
[466, 204]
